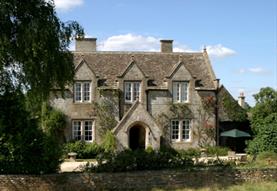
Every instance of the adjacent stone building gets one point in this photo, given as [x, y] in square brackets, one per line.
[155, 98]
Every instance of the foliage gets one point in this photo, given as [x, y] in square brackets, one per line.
[264, 122]
[109, 142]
[217, 151]
[106, 111]
[52, 122]
[34, 45]
[84, 150]
[265, 140]
[24, 148]
[33, 59]
[233, 110]
[266, 104]
[268, 155]
[267, 159]
[191, 152]
[140, 160]
[205, 130]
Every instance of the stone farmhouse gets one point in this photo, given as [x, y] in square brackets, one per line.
[155, 98]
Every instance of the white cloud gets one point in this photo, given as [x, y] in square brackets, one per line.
[257, 70]
[66, 5]
[254, 70]
[219, 51]
[129, 42]
[133, 42]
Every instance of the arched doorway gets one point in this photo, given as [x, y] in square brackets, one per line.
[137, 137]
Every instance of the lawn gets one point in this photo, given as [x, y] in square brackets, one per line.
[261, 186]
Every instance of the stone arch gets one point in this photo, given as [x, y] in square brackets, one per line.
[138, 136]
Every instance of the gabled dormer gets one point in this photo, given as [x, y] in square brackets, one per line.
[85, 82]
[133, 82]
[180, 83]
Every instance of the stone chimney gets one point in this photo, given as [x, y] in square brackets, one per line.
[85, 44]
[241, 100]
[166, 45]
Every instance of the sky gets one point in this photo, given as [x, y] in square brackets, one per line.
[240, 35]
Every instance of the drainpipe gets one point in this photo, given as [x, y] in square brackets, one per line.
[216, 112]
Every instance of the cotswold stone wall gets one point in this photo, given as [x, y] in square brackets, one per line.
[144, 180]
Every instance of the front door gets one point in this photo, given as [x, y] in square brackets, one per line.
[137, 137]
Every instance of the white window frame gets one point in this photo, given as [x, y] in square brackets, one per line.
[83, 130]
[84, 95]
[183, 132]
[180, 94]
[130, 91]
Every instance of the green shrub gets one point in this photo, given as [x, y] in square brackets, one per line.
[84, 150]
[140, 160]
[24, 147]
[265, 140]
[191, 152]
[109, 142]
[217, 151]
[267, 155]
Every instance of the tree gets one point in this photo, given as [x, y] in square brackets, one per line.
[264, 122]
[34, 58]
[34, 44]
[266, 104]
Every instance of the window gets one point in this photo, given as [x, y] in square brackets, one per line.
[82, 91]
[131, 91]
[82, 130]
[180, 130]
[77, 130]
[180, 91]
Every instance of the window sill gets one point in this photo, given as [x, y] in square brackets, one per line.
[181, 142]
[82, 102]
[185, 102]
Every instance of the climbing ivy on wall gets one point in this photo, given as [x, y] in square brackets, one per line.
[205, 128]
[106, 110]
[233, 110]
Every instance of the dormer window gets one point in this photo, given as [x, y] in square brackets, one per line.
[180, 91]
[131, 91]
[82, 91]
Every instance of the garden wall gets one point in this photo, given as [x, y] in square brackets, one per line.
[144, 180]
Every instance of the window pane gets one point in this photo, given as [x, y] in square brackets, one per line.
[86, 91]
[186, 130]
[184, 91]
[174, 130]
[76, 130]
[127, 91]
[88, 130]
[77, 92]
[175, 92]
[136, 90]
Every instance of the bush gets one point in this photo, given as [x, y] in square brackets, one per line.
[217, 151]
[265, 140]
[109, 142]
[268, 155]
[84, 150]
[140, 160]
[24, 148]
[191, 152]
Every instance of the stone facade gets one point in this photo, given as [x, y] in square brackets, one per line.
[139, 120]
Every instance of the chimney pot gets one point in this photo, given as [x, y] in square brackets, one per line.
[85, 44]
[241, 100]
[166, 45]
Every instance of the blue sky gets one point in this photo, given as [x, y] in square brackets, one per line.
[240, 35]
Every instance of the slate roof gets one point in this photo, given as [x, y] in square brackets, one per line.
[155, 65]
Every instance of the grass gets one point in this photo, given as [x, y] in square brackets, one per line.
[261, 186]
